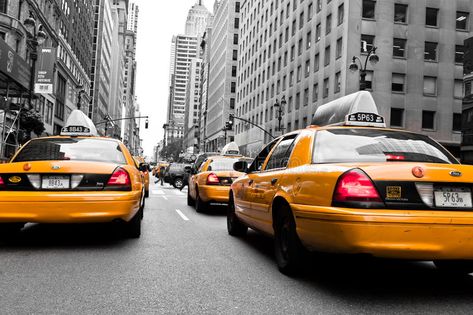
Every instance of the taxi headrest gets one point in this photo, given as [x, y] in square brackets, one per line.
[79, 124]
[231, 149]
[358, 109]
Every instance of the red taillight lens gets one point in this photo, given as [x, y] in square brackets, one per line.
[395, 157]
[356, 186]
[212, 179]
[1, 182]
[119, 178]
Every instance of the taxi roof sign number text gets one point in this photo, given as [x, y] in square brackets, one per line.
[356, 109]
[78, 124]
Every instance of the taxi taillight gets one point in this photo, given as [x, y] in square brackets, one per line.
[213, 179]
[1, 182]
[119, 179]
[355, 189]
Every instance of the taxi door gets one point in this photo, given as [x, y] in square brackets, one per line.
[266, 183]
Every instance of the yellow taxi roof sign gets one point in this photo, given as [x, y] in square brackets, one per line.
[78, 124]
[231, 149]
[356, 109]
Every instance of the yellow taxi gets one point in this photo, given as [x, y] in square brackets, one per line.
[139, 160]
[77, 177]
[212, 182]
[347, 184]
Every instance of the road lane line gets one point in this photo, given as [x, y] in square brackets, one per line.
[165, 197]
[182, 215]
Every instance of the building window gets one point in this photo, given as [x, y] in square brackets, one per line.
[462, 21]
[338, 51]
[289, 104]
[307, 68]
[327, 56]
[316, 62]
[299, 47]
[368, 9]
[315, 92]
[328, 24]
[430, 53]
[291, 78]
[237, 7]
[233, 87]
[298, 101]
[458, 89]
[337, 83]
[234, 71]
[235, 55]
[326, 86]
[367, 42]
[308, 40]
[293, 28]
[306, 96]
[301, 20]
[235, 39]
[237, 23]
[457, 122]
[299, 73]
[428, 119]
[459, 51]
[319, 5]
[397, 117]
[293, 52]
[341, 14]
[398, 82]
[318, 31]
[310, 10]
[468, 88]
[431, 17]
[400, 13]
[399, 47]
[3, 6]
[430, 85]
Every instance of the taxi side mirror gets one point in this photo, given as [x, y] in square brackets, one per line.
[143, 167]
[241, 166]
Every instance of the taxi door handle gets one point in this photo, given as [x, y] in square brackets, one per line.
[250, 182]
[273, 181]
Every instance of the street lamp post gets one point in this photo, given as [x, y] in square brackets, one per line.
[372, 57]
[280, 110]
[36, 37]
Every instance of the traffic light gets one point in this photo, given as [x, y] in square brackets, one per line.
[146, 123]
[228, 125]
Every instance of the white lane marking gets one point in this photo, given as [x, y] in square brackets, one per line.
[165, 197]
[157, 192]
[182, 215]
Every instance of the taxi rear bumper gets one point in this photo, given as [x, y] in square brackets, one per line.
[68, 207]
[418, 235]
[214, 193]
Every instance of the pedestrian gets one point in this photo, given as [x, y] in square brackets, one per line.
[161, 171]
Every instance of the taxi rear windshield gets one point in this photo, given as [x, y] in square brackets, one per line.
[374, 145]
[74, 149]
[223, 164]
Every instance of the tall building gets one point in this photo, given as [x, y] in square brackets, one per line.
[222, 73]
[467, 107]
[197, 19]
[101, 60]
[186, 49]
[302, 51]
[191, 116]
[204, 86]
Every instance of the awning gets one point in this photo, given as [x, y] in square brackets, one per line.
[14, 71]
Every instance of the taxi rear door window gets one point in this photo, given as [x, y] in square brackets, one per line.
[281, 154]
[74, 149]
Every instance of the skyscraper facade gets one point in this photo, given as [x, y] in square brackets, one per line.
[301, 50]
[191, 116]
[197, 19]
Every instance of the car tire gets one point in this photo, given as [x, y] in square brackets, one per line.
[190, 201]
[199, 204]
[234, 226]
[288, 248]
[178, 183]
[455, 267]
[132, 228]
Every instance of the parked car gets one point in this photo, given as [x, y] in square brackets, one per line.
[177, 174]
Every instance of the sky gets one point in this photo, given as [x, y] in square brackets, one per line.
[158, 21]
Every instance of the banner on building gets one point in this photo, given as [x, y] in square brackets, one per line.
[44, 77]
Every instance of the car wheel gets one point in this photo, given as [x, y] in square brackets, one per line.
[190, 201]
[199, 204]
[178, 183]
[455, 267]
[234, 226]
[132, 228]
[288, 249]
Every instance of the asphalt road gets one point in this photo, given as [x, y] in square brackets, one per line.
[186, 263]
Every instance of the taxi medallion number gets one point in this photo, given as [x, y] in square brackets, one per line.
[55, 182]
[453, 198]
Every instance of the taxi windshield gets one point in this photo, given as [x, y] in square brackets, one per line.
[349, 145]
[74, 149]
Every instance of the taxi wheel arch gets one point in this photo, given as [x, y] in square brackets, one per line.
[234, 226]
[288, 248]
[190, 200]
[199, 204]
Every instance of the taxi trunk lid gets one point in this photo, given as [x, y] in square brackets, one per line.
[437, 186]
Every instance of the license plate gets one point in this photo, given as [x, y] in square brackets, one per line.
[453, 198]
[55, 182]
